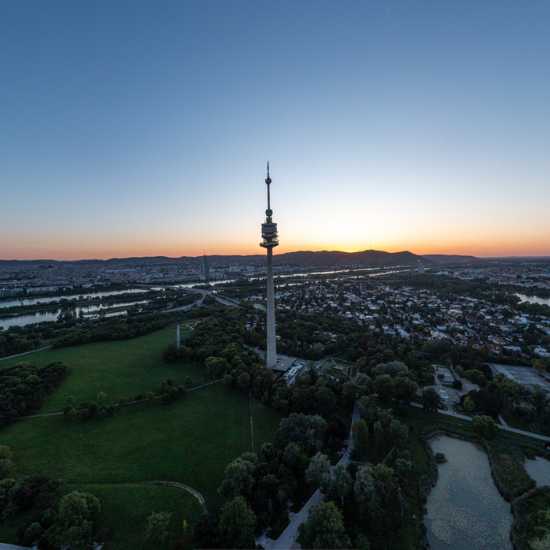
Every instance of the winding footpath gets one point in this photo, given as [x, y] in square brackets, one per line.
[193, 492]
[43, 348]
[137, 402]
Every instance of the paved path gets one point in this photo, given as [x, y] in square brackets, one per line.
[43, 348]
[506, 428]
[287, 539]
[59, 413]
[197, 494]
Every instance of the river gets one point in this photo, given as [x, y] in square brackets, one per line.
[54, 299]
[49, 316]
[90, 312]
[464, 510]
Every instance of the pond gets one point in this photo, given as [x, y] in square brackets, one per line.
[464, 510]
[539, 469]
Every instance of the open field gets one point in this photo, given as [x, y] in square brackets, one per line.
[190, 441]
[122, 368]
[127, 507]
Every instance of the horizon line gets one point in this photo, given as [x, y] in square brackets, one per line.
[112, 258]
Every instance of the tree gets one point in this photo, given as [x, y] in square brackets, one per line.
[324, 528]
[363, 487]
[238, 478]
[469, 404]
[32, 533]
[404, 389]
[308, 431]
[237, 524]
[384, 387]
[158, 528]
[379, 498]
[338, 484]
[318, 470]
[7, 466]
[244, 381]
[216, 366]
[77, 514]
[360, 440]
[484, 427]
[295, 458]
[430, 400]
[476, 376]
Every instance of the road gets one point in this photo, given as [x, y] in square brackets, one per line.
[506, 428]
[204, 293]
[288, 537]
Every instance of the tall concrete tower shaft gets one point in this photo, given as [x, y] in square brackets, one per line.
[270, 240]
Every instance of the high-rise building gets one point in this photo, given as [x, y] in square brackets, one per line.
[270, 240]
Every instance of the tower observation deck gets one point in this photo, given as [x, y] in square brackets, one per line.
[270, 239]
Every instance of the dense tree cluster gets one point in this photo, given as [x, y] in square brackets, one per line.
[101, 407]
[258, 488]
[115, 328]
[519, 404]
[365, 500]
[52, 518]
[18, 339]
[24, 387]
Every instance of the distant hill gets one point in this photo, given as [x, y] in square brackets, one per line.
[450, 259]
[366, 258]
[305, 259]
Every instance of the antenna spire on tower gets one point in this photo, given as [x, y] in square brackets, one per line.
[268, 182]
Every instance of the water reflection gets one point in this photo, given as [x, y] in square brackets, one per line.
[54, 299]
[89, 312]
[465, 510]
[539, 470]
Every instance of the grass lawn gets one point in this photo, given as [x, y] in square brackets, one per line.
[123, 368]
[128, 506]
[190, 441]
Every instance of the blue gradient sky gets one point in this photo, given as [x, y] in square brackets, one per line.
[141, 128]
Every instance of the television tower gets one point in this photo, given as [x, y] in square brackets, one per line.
[270, 240]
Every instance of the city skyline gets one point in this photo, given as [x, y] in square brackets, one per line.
[131, 130]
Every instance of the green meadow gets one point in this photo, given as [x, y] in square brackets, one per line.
[189, 441]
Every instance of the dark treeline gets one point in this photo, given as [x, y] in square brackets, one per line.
[54, 517]
[24, 387]
[71, 331]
